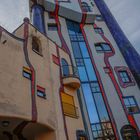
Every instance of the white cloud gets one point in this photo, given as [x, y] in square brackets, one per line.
[12, 13]
[127, 13]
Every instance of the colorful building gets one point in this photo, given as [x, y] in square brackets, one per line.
[64, 75]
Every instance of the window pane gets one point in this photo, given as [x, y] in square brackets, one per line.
[98, 48]
[82, 74]
[131, 100]
[27, 75]
[106, 47]
[95, 87]
[90, 103]
[126, 102]
[101, 107]
[76, 50]
[90, 70]
[84, 49]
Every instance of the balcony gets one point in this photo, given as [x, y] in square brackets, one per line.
[70, 77]
[70, 110]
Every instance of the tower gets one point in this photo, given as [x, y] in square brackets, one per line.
[70, 81]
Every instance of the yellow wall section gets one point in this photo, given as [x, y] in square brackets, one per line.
[67, 98]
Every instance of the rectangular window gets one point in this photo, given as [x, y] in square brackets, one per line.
[41, 92]
[103, 47]
[124, 76]
[52, 27]
[69, 107]
[98, 30]
[102, 130]
[27, 73]
[131, 105]
[99, 18]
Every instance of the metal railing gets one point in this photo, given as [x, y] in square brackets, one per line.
[70, 110]
[69, 71]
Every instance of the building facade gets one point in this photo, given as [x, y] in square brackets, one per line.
[64, 76]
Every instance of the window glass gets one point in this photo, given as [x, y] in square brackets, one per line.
[124, 76]
[79, 62]
[41, 94]
[38, 18]
[131, 105]
[106, 47]
[84, 49]
[65, 67]
[98, 30]
[27, 75]
[90, 103]
[76, 50]
[95, 87]
[82, 74]
[101, 107]
[90, 70]
[98, 48]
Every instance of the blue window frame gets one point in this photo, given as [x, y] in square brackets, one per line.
[98, 30]
[93, 98]
[131, 104]
[124, 76]
[103, 47]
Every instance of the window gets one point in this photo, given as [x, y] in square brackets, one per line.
[79, 62]
[129, 133]
[103, 47]
[95, 87]
[103, 131]
[69, 106]
[41, 92]
[52, 27]
[38, 18]
[81, 135]
[124, 76]
[131, 105]
[99, 18]
[65, 67]
[86, 7]
[36, 45]
[98, 30]
[27, 73]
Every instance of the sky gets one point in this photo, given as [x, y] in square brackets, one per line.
[126, 12]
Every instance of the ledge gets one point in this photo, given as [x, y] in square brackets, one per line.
[72, 82]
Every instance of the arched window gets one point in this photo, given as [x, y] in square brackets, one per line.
[129, 133]
[65, 67]
[86, 7]
[36, 46]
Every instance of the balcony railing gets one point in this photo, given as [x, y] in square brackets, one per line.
[70, 110]
[70, 77]
[69, 71]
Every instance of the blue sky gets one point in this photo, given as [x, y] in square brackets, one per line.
[126, 12]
